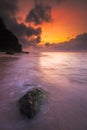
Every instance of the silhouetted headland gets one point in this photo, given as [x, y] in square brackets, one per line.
[8, 41]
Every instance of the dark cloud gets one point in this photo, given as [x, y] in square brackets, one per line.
[38, 39]
[26, 33]
[47, 44]
[33, 35]
[32, 42]
[31, 31]
[59, 1]
[77, 44]
[8, 11]
[35, 41]
[39, 14]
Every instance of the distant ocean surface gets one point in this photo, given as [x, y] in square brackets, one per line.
[62, 75]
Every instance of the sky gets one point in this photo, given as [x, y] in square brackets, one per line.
[41, 21]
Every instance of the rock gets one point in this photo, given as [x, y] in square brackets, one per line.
[10, 52]
[30, 103]
[25, 52]
[8, 41]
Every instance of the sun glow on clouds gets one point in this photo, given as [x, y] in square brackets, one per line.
[57, 30]
[68, 21]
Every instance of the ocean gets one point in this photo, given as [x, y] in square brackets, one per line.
[63, 75]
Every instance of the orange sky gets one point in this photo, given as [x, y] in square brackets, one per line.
[69, 20]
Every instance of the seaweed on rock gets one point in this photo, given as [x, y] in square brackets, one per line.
[30, 102]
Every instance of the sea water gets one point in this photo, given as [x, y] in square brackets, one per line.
[62, 75]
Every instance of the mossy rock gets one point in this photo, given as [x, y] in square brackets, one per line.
[31, 102]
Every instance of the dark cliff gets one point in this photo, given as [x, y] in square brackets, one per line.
[8, 41]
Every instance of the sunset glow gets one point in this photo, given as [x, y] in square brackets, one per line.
[65, 24]
[38, 22]
[67, 21]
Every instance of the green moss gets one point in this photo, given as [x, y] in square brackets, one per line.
[31, 101]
